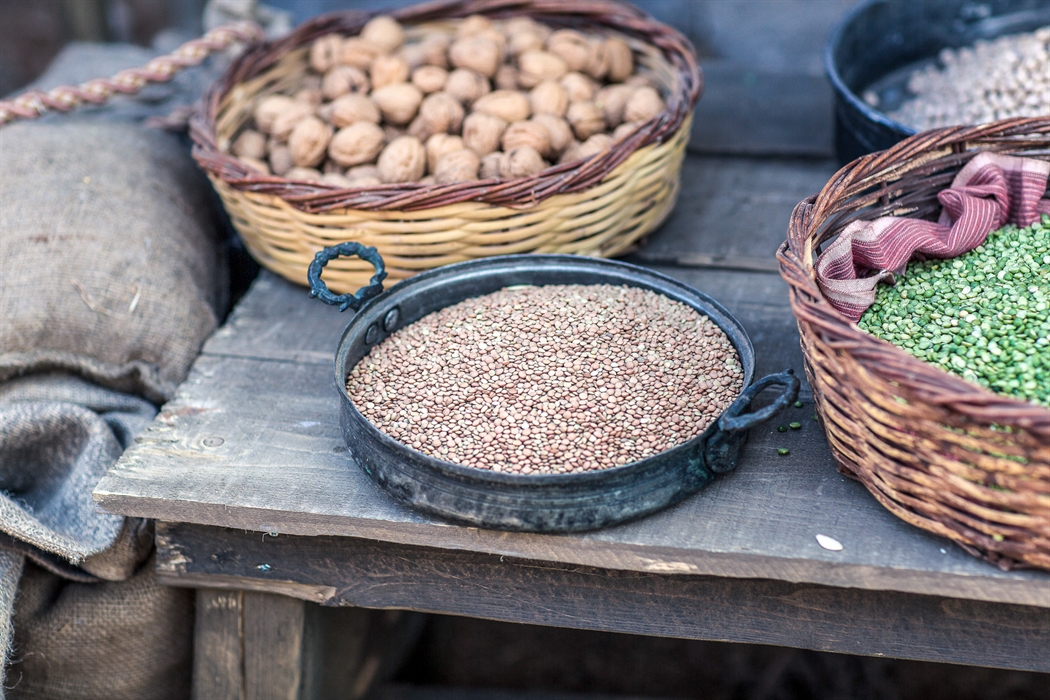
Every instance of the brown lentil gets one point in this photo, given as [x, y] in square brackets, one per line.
[549, 380]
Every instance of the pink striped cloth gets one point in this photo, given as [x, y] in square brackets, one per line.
[990, 191]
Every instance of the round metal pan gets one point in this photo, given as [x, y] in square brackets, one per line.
[534, 503]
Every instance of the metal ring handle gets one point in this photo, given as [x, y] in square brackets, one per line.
[319, 289]
[734, 419]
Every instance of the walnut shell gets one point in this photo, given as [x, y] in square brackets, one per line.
[523, 41]
[267, 109]
[384, 31]
[403, 160]
[391, 132]
[255, 164]
[341, 80]
[310, 95]
[358, 52]
[435, 50]
[558, 131]
[304, 174]
[309, 141]
[337, 179]
[643, 104]
[288, 118]
[598, 66]
[482, 132]
[549, 97]
[621, 60]
[356, 144]
[506, 78]
[353, 108]
[429, 78]
[466, 85]
[578, 86]
[474, 24]
[624, 130]
[508, 105]
[523, 24]
[536, 66]
[457, 166]
[490, 165]
[440, 144]
[477, 53]
[527, 133]
[324, 52]
[250, 144]
[599, 143]
[441, 113]
[572, 47]
[571, 152]
[521, 162]
[366, 181]
[398, 102]
[612, 99]
[363, 171]
[586, 119]
[330, 166]
[280, 159]
[387, 70]
[641, 80]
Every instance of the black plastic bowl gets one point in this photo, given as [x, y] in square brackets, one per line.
[536, 503]
[880, 42]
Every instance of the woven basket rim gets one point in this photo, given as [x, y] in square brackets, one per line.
[514, 193]
[876, 185]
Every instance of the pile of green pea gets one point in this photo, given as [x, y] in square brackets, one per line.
[983, 315]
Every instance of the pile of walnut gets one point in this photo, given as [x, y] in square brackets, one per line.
[496, 99]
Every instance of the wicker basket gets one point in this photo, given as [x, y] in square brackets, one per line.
[599, 206]
[941, 453]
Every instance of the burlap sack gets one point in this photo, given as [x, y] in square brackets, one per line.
[128, 640]
[110, 263]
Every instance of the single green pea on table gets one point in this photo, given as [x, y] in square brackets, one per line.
[983, 315]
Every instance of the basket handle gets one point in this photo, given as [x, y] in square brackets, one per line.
[723, 447]
[346, 301]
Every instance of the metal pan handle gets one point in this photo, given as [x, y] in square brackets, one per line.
[734, 419]
[346, 301]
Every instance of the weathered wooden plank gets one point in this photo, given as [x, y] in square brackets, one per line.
[274, 633]
[256, 445]
[382, 575]
[218, 665]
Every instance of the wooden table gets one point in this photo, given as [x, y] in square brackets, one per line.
[249, 478]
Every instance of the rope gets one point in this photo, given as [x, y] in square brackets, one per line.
[36, 103]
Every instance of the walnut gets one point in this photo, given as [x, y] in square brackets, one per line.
[391, 132]
[363, 171]
[387, 70]
[403, 160]
[342, 80]
[571, 152]
[506, 78]
[429, 78]
[527, 133]
[643, 104]
[490, 165]
[572, 47]
[427, 180]
[280, 159]
[303, 174]
[383, 31]
[324, 52]
[578, 86]
[549, 97]
[474, 24]
[558, 131]
[310, 95]
[536, 66]
[523, 24]
[586, 119]
[398, 102]
[356, 144]
[508, 105]
[624, 130]
[482, 132]
[330, 166]
[599, 143]
[435, 50]
[641, 80]
[466, 85]
[477, 53]
[521, 162]
[612, 99]
[267, 109]
[457, 166]
[358, 53]
[441, 113]
[352, 108]
[523, 41]
[366, 181]
[440, 144]
[337, 179]
[288, 118]
[309, 141]
[598, 66]
[621, 60]
[255, 164]
[250, 144]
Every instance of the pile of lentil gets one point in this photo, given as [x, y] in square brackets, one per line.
[983, 315]
[551, 379]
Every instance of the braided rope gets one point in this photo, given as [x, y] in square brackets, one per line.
[35, 103]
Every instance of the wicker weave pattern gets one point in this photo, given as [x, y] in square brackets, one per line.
[922, 440]
[600, 206]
